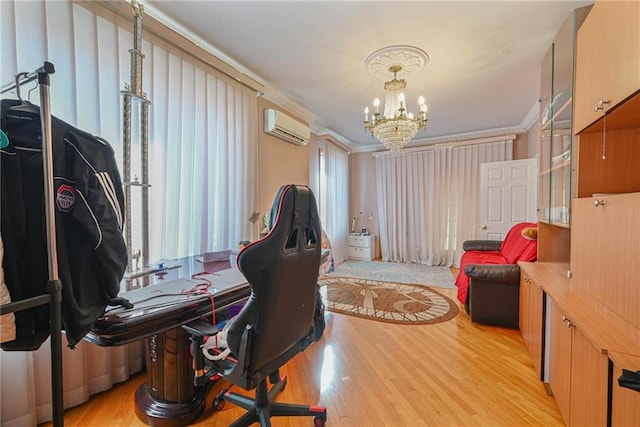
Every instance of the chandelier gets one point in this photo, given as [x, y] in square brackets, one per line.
[396, 127]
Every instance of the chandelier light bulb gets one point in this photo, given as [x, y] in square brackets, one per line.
[421, 102]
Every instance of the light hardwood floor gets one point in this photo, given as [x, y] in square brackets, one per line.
[369, 373]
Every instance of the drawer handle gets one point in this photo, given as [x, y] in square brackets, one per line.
[601, 105]
[598, 203]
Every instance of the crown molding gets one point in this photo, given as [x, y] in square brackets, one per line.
[460, 143]
[335, 141]
[278, 98]
[447, 139]
[322, 132]
[531, 118]
[533, 115]
[268, 92]
[163, 26]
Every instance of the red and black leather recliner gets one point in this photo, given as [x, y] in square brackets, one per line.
[489, 278]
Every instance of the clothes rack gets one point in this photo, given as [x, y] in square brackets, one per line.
[54, 285]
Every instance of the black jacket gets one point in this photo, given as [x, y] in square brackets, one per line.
[89, 212]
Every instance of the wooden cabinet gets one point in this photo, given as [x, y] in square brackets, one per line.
[607, 66]
[592, 312]
[578, 373]
[361, 247]
[532, 319]
[605, 255]
[560, 363]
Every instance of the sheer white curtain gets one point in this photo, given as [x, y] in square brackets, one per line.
[335, 203]
[428, 200]
[203, 140]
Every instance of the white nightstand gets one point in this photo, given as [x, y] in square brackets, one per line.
[361, 247]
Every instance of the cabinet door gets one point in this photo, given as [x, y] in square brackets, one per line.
[560, 363]
[532, 319]
[607, 65]
[589, 381]
[610, 230]
[523, 313]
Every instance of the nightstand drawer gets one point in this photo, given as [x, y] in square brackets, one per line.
[359, 253]
[361, 247]
[360, 241]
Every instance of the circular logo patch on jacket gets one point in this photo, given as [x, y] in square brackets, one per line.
[65, 197]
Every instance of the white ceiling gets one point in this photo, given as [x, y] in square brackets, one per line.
[483, 75]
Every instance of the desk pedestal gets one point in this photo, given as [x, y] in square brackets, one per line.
[168, 398]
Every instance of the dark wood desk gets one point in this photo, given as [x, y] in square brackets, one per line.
[162, 304]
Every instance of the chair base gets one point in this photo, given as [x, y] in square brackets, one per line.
[262, 408]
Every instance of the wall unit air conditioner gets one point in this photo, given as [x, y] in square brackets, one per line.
[278, 124]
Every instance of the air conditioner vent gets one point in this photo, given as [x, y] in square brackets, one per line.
[278, 124]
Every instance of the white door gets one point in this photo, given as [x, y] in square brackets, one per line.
[508, 193]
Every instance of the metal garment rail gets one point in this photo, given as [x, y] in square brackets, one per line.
[54, 285]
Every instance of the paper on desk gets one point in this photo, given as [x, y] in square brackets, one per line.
[215, 256]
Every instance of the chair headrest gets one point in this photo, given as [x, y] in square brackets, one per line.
[294, 207]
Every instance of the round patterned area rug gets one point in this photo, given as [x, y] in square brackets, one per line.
[386, 301]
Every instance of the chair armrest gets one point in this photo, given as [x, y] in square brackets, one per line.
[481, 245]
[200, 328]
[499, 273]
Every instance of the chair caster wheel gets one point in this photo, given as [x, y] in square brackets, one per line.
[319, 422]
[218, 404]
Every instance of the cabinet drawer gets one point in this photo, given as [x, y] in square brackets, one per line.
[359, 253]
[361, 247]
[360, 241]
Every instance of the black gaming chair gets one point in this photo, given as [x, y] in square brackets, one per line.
[275, 323]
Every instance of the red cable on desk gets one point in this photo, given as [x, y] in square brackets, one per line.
[203, 289]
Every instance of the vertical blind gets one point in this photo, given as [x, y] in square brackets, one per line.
[336, 200]
[202, 149]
